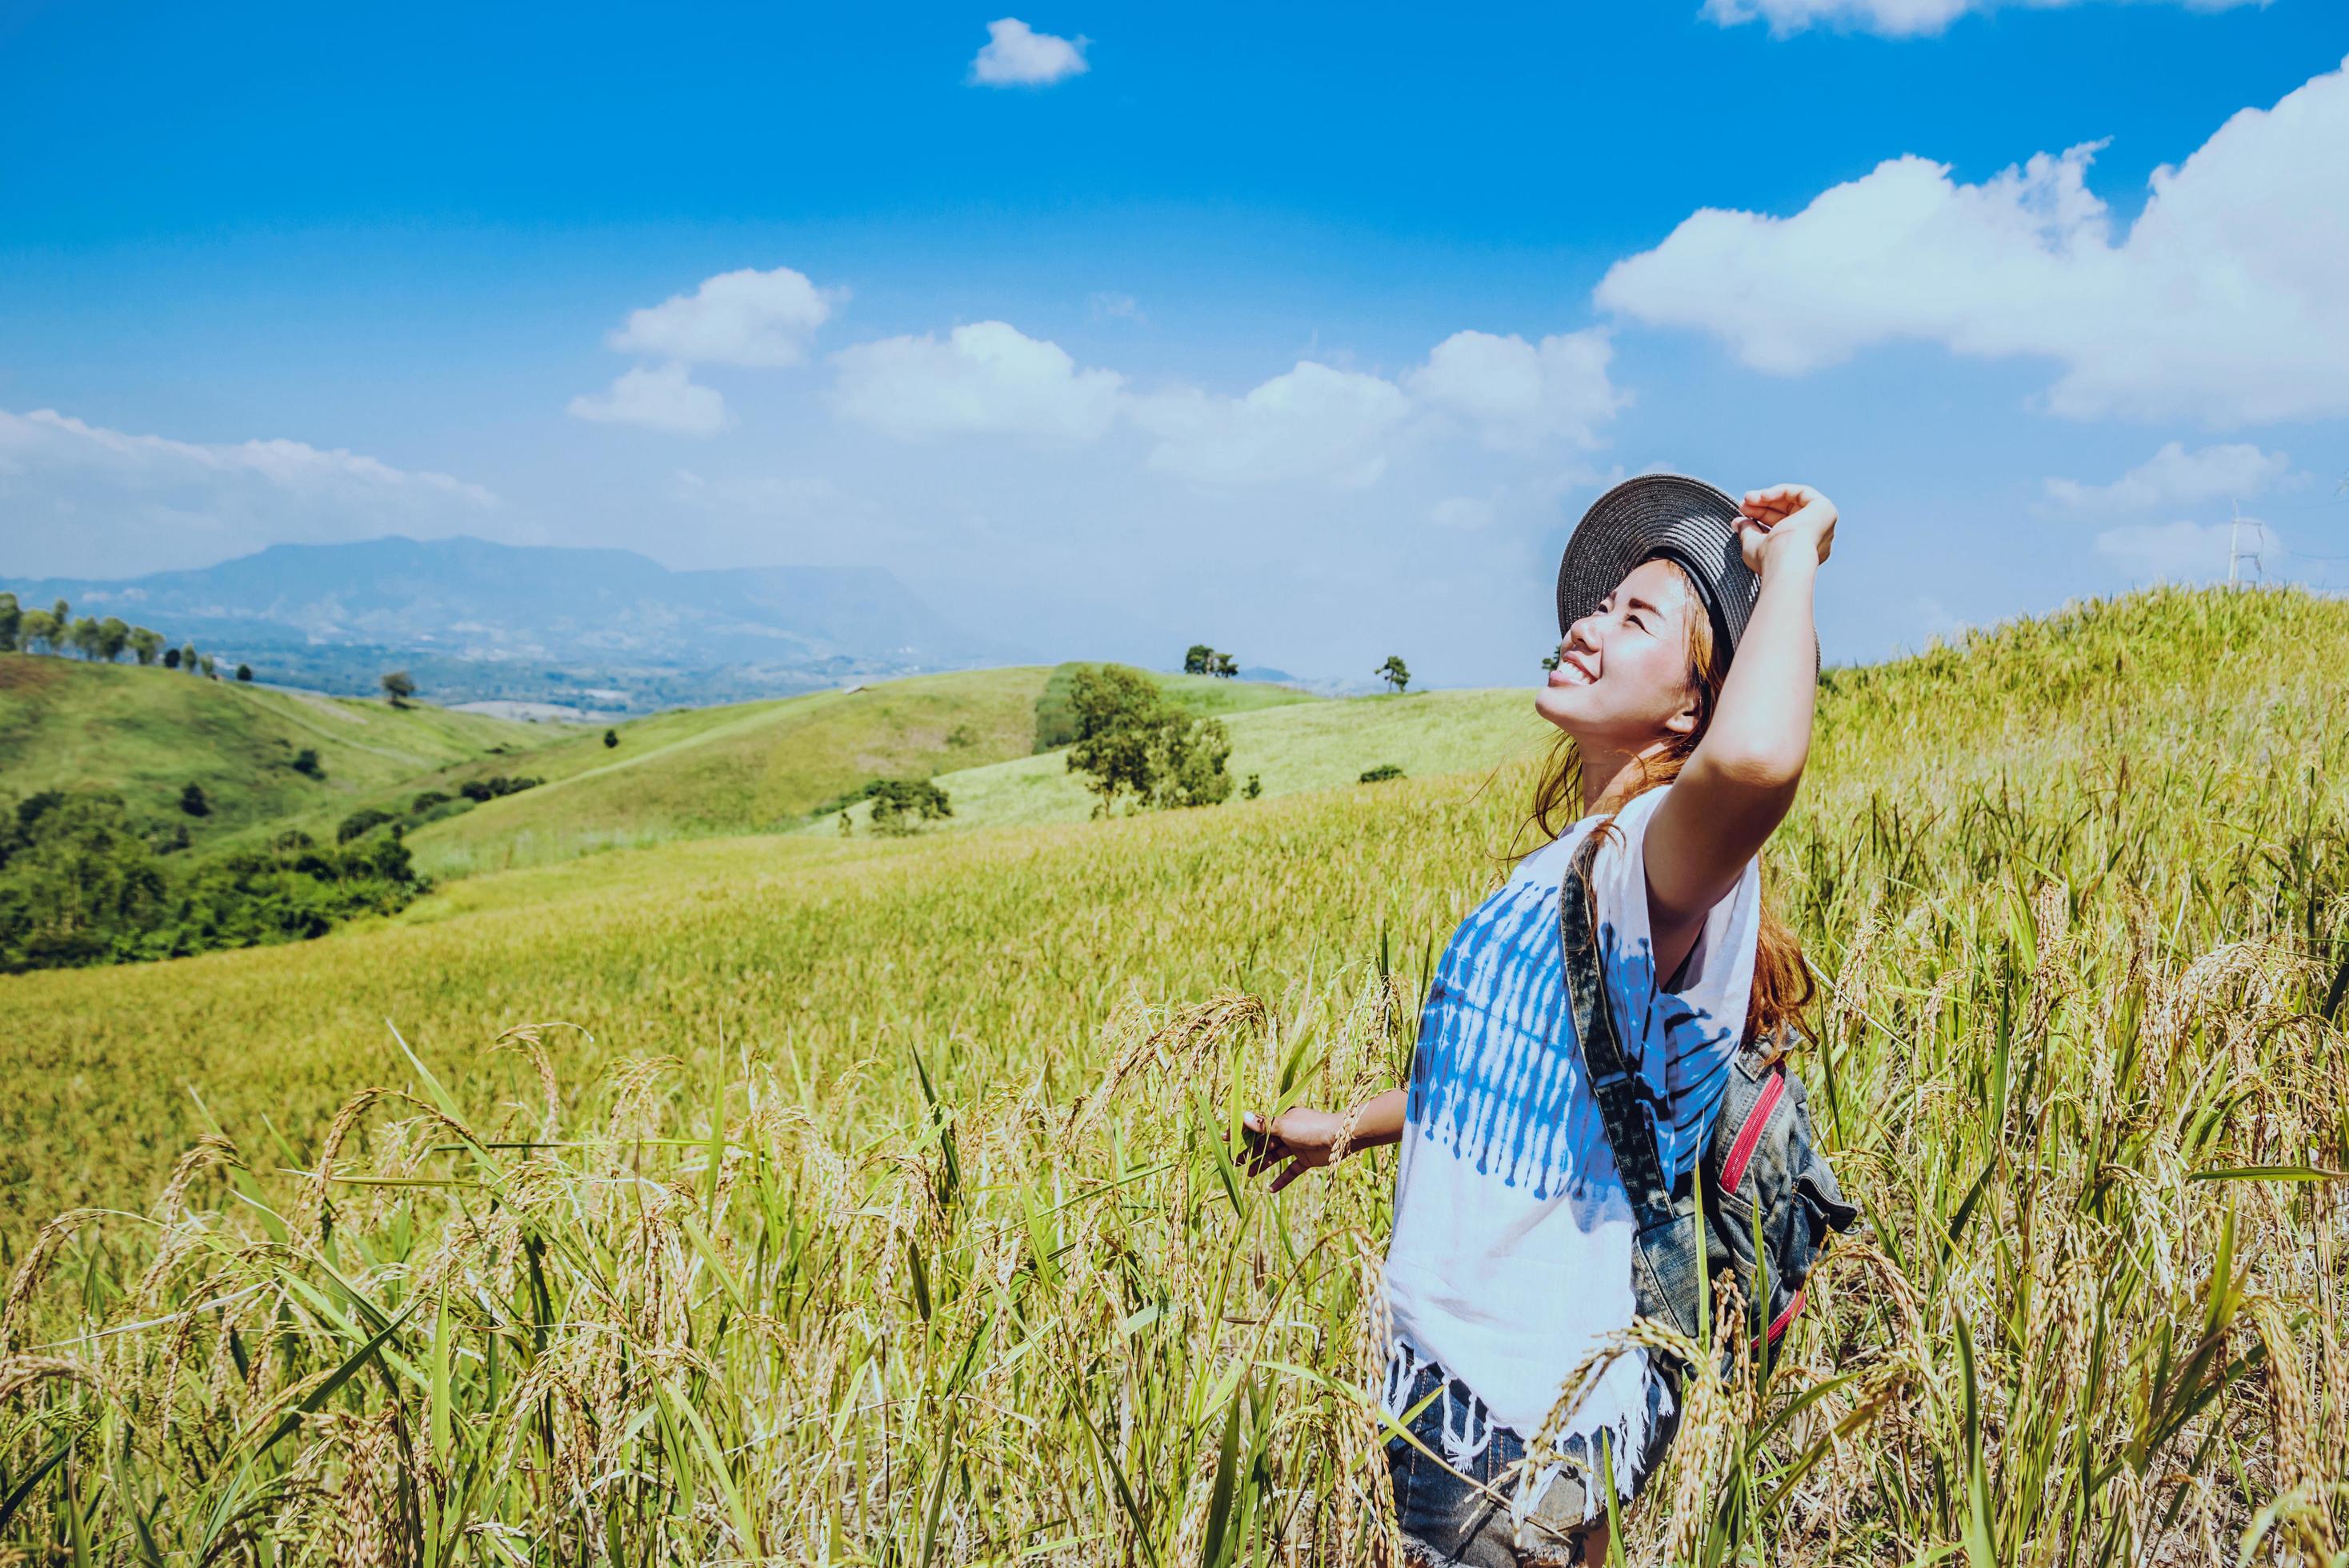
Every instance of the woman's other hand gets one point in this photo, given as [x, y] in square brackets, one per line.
[1786, 517]
[1302, 1139]
[1299, 1140]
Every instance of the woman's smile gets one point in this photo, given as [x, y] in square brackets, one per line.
[1571, 670]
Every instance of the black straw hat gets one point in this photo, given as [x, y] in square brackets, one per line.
[1682, 520]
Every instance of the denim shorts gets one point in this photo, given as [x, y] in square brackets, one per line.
[1459, 1512]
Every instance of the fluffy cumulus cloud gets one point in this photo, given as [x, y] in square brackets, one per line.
[2226, 301]
[1016, 55]
[745, 317]
[87, 500]
[2175, 477]
[987, 379]
[1312, 423]
[1892, 18]
[1522, 397]
[662, 397]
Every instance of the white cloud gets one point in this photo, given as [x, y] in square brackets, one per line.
[1016, 56]
[1893, 18]
[2178, 551]
[2226, 301]
[1522, 397]
[1312, 423]
[1114, 307]
[125, 502]
[1467, 514]
[745, 317]
[2176, 477]
[986, 378]
[665, 398]
[46, 441]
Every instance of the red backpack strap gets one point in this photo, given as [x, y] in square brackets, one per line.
[1748, 1137]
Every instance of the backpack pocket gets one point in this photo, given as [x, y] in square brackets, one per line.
[1664, 1271]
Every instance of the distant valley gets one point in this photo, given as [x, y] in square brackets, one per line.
[595, 631]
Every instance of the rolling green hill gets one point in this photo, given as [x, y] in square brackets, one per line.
[1307, 745]
[763, 767]
[148, 733]
[754, 766]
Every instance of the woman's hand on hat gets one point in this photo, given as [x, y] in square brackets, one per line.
[1784, 517]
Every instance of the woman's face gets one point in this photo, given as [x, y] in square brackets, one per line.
[1622, 675]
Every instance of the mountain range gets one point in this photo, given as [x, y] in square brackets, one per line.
[540, 622]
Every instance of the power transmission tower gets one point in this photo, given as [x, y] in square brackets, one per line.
[2236, 554]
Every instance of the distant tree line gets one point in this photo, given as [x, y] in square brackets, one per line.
[56, 630]
[82, 883]
[1203, 660]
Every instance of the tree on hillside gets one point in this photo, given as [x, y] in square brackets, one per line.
[900, 805]
[86, 639]
[38, 632]
[244, 672]
[193, 802]
[611, 738]
[188, 658]
[63, 612]
[148, 646]
[398, 689]
[11, 619]
[1394, 672]
[171, 658]
[1203, 660]
[1131, 741]
[113, 636]
[211, 670]
[305, 762]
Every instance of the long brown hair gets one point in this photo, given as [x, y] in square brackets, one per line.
[1783, 988]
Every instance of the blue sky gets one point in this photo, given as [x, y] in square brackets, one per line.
[1307, 330]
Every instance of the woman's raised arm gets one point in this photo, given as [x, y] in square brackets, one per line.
[1737, 786]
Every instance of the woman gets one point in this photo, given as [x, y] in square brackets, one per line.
[1511, 1256]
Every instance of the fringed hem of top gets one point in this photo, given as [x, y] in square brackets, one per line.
[1468, 1426]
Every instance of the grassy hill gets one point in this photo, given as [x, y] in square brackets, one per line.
[753, 766]
[763, 766]
[1314, 746]
[148, 733]
[879, 1192]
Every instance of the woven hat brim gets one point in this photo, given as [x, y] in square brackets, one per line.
[1670, 515]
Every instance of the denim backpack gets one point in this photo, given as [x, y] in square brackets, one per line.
[1762, 1177]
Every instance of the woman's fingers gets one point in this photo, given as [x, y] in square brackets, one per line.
[1269, 1150]
[1296, 1168]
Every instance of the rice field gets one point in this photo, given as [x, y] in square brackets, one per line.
[847, 1201]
